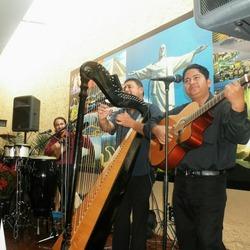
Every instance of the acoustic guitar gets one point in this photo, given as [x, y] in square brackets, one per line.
[187, 129]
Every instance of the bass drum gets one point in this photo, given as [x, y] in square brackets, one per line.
[43, 183]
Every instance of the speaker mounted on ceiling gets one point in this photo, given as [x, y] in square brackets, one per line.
[231, 17]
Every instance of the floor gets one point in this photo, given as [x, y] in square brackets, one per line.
[29, 243]
[29, 239]
[26, 231]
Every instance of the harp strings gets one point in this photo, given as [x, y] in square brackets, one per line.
[91, 165]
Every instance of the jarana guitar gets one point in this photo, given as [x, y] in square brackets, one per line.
[187, 129]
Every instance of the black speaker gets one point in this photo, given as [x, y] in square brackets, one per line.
[26, 111]
[231, 17]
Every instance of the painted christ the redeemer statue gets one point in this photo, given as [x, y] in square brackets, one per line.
[165, 66]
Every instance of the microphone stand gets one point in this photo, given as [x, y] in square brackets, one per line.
[165, 182]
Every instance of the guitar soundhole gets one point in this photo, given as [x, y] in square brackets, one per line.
[161, 147]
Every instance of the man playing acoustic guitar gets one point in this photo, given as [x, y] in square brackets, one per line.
[199, 196]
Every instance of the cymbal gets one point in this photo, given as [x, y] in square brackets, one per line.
[7, 136]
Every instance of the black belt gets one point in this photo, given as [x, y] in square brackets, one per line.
[190, 172]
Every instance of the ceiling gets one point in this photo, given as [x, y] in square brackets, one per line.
[11, 13]
[56, 36]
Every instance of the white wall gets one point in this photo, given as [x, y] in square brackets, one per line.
[58, 36]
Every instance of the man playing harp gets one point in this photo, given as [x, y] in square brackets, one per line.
[136, 198]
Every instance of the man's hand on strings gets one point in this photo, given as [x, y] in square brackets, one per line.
[160, 132]
[235, 95]
[104, 111]
[125, 120]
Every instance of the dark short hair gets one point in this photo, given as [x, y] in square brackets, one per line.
[59, 118]
[203, 70]
[137, 81]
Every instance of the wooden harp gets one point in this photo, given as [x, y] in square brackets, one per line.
[89, 225]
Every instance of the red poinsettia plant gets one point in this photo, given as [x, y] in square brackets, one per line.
[7, 181]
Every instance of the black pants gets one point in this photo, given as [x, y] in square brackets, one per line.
[135, 200]
[199, 204]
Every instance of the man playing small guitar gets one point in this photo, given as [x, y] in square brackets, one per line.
[219, 124]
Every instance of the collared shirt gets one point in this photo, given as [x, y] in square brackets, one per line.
[220, 139]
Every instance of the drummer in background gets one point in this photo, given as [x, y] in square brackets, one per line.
[58, 144]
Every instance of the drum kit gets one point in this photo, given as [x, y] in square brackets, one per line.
[33, 186]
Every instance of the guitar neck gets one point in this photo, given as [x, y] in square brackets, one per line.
[216, 99]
